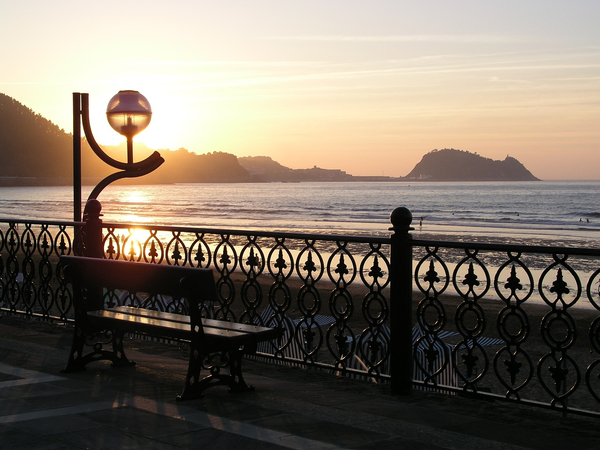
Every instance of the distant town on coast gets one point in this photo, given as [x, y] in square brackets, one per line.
[34, 151]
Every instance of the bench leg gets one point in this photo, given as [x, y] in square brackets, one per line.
[231, 361]
[237, 384]
[117, 356]
[82, 338]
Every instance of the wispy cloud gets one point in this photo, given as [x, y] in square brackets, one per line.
[263, 79]
[221, 63]
[467, 38]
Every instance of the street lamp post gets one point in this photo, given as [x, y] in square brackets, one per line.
[128, 113]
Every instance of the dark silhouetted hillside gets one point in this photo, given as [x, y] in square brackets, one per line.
[183, 166]
[263, 168]
[31, 146]
[34, 151]
[458, 165]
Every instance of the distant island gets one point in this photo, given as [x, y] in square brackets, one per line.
[34, 151]
[438, 165]
[457, 165]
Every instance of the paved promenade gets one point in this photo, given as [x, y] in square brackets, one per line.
[135, 408]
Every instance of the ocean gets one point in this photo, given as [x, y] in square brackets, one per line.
[552, 212]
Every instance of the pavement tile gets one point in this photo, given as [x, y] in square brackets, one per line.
[529, 435]
[111, 438]
[397, 410]
[7, 377]
[319, 430]
[233, 408]
[10, 405]
[398, 444]
[14, 439]
[217, 439]
[55, 425]
[325, 396]
[135, 421]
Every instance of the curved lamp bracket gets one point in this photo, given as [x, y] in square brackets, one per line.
[128, 169]
[126, 174]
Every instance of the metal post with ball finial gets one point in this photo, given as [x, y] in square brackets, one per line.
[401, 302]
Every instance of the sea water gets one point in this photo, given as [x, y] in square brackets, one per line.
[551, 212]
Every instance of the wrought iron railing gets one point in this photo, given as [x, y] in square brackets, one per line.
[31, 281]
[329, 293]
[518, 322]
[504, 321]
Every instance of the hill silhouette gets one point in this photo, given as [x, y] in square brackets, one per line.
[34, 151]
[458, 165]
[263, 168]
[30, 145]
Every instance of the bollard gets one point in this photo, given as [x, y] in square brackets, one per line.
[93, 247]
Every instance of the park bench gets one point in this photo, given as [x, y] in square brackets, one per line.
[100, 322]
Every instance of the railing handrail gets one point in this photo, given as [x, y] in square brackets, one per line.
[246, 232]
[509, 248]
[43, 222]
[415, 242]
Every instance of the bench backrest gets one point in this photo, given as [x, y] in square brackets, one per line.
[95, 275]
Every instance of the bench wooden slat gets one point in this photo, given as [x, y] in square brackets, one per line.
[260, 332]
[168, 328]
[139, 277]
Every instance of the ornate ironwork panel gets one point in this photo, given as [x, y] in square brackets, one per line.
[31, 282]
[508, 321]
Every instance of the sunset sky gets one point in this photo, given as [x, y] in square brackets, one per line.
[367, 87]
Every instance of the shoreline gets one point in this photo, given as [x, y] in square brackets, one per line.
[505, 236]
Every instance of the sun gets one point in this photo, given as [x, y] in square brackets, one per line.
[200, 122]
[175, 124]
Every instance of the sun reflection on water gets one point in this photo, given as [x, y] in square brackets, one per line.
[137, 196]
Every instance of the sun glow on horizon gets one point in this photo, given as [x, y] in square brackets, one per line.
[176, 123]
[336, 84]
